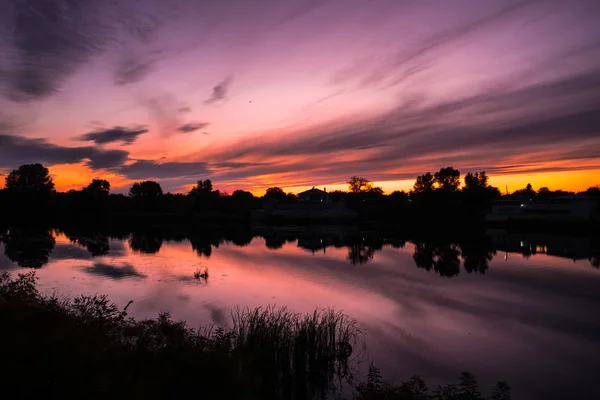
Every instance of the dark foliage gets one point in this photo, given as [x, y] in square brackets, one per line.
[88, 347]
[436, 197]
[375, 388]
[30, 178]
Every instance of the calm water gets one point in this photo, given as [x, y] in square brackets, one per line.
[496, 306]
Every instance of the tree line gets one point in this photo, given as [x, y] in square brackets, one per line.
[30, 188]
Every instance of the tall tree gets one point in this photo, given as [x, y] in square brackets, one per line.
[276, 193]
[30, 178]
[358, 184]
[448, 179]
[202, 187]
[145, 190]
[424, 183]
[477, 180]
[98, 186]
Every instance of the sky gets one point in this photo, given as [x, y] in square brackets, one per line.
[260, 93]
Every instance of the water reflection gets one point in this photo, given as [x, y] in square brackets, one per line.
[32, 247]
[442, 258]
[28, 247]
[516, 307]
[113, 271]
[145, 242]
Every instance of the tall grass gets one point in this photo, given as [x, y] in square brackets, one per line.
[303, 354]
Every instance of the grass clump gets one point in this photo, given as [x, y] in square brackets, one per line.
[201, 275]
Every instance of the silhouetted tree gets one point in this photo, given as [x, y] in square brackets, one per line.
[276, 193]
[146, 195]
[477, 194]
[357, 184]
[448, 179]
[424, 183]
[203, 195]
[476, 181]
[30, 178]
[527, 191]
[98, 187]
[543, 191]
[145, 190]
[468, 387]
[242, 195]
[291, 198]
[501, 391]
[202, 187]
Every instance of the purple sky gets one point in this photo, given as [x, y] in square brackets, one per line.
[256, 93]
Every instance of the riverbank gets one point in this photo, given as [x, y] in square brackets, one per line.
[88, 347]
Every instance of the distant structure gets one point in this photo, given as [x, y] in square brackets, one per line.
[314, 196]
[563, 208]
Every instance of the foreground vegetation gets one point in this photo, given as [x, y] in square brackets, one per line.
[89, 348]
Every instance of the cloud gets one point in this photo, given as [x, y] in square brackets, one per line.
[130, 71]
[184, 110]
[116, 134]
[192, 126]
[146, 169]
[164, 111]
[488, 128]
[114, 272]
[49, 41]
[408, 62]
[18, 150]
[45, 42]
[220, 91]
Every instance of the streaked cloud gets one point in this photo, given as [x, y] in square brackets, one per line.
[146, 169]
[220, 91]
[17, 150]
[192, 127]
[116, 134]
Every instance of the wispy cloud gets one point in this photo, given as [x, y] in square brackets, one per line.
[17, 150]
[220, 91]
[116, 134]
[192, 126]
[482, 129]
[146, 169]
